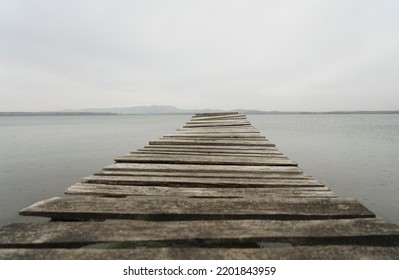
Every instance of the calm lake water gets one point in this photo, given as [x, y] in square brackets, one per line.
[355, 155]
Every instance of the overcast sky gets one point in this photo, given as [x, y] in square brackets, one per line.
[220, 54]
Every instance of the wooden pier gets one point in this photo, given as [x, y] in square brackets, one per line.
[214, 189]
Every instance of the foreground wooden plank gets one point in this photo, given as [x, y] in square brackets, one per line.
[202, 233]
[330, 252]
[122, 191]
[175, 208]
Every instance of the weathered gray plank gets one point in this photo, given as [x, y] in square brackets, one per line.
[173, 208]
[217, 142]
[237, 169]
[201, 182]
[330, 252]
[221, 130]
[208, 160]
[210, 151]
[234, 136]
[217, 123]
[206, 114]
[216, 118]
[216, 147]
[222, 133]
[155, 152]
[327, 232]
[121, 191]
[211, 137]
[173, 173]
[233, 115]
[220, 120]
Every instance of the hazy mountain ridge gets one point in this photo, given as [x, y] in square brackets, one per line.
[169, 110]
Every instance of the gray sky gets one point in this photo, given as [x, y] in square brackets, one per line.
[267, 55]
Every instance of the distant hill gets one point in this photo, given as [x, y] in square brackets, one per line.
[9, 114]
[170, 110]
[156, 109]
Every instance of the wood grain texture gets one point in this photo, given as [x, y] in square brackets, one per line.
[220, 130]
[175, 208]
[201, 182]
[207, 160]
[327, 252]
[122, 191]
[201, 153]
[232, 149]
[203, 233]
[204, 168]
[204, 175]
[258, 143]
[209, 151]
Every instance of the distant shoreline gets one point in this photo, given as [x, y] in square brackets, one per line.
[249, 112]
[30, 114]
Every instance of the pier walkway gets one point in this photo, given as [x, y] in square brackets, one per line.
[213, 189]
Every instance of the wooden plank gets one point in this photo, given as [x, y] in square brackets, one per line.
[204, 168]
[215, 148]
[220, 130]
[215, 114]
[208, 160]
[237, 122]
[211, 142]
[224, 117]
[204, 175]
[122, 191]
[225, 129]
[232, 115]
[219, 135]
[201, 182]
[210, 151]
[174, 208]
[330, 252]
[216, 125]
[328, 232]
[156, 152]
[218, 120]
[209, 137]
